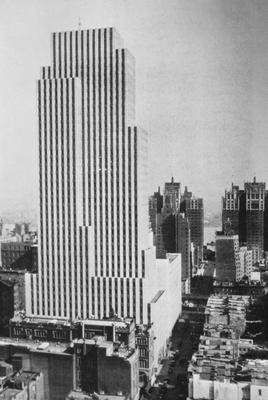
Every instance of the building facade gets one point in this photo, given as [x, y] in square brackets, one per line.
[19, 256]
[246, 213]
[227, 257]
[96, 253]
[246, 263]
[183, 246]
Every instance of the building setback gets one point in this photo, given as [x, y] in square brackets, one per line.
[183, 244]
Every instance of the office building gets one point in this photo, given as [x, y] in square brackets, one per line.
[54, 360]
[23, 385]
[227, 257]
[255, 206]
[183, 246]
[17, 279]
[8, 291]
[164, 224]
[172, 196]
[145, 346]
[103, 368]
[96, 253]
[246, 264]
[245, 210]
[162, 210]
[19, 256]
[231, 209]
[193, 208]
[62, 330]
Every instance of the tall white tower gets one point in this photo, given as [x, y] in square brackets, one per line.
[93, 228]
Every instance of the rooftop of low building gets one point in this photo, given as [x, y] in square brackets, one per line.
[36, 345]
[24, 376]
[114, 321]
[76, 395]
[123, 351]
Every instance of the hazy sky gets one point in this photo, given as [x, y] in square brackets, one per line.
[202, 86]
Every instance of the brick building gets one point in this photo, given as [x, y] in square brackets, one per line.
[227, 257]
[104, 368]
[19, 256]
[246, 210]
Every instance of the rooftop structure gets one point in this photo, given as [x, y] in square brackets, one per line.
[220, 368]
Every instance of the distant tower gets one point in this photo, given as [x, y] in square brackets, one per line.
[172, 196]
[247, 211]
[255, 208]
[194, 210]
[231, 209]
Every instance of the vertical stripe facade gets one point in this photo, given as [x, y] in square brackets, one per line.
[93, 223]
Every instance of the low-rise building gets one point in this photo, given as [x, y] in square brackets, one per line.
[21, 385]
[18, 279]
[62, 330]
[19, 256]
[54, 360]
[220, 369]
[7, 294]
[104, 368]
[242, 288]
[245, 266]
[145, 345]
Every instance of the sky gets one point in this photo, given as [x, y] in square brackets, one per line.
[201, 87]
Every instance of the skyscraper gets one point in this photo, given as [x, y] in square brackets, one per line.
[96, 253]
[245, 210]
[231, 208]
[183, 246]
[155, 207]
[194, 210]
[227, 257]
[255, 206]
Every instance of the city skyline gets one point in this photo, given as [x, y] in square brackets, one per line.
[200, 80]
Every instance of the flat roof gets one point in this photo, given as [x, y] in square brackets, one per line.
[33, 345]
[66, 322]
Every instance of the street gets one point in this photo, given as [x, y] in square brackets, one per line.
[172, 382]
